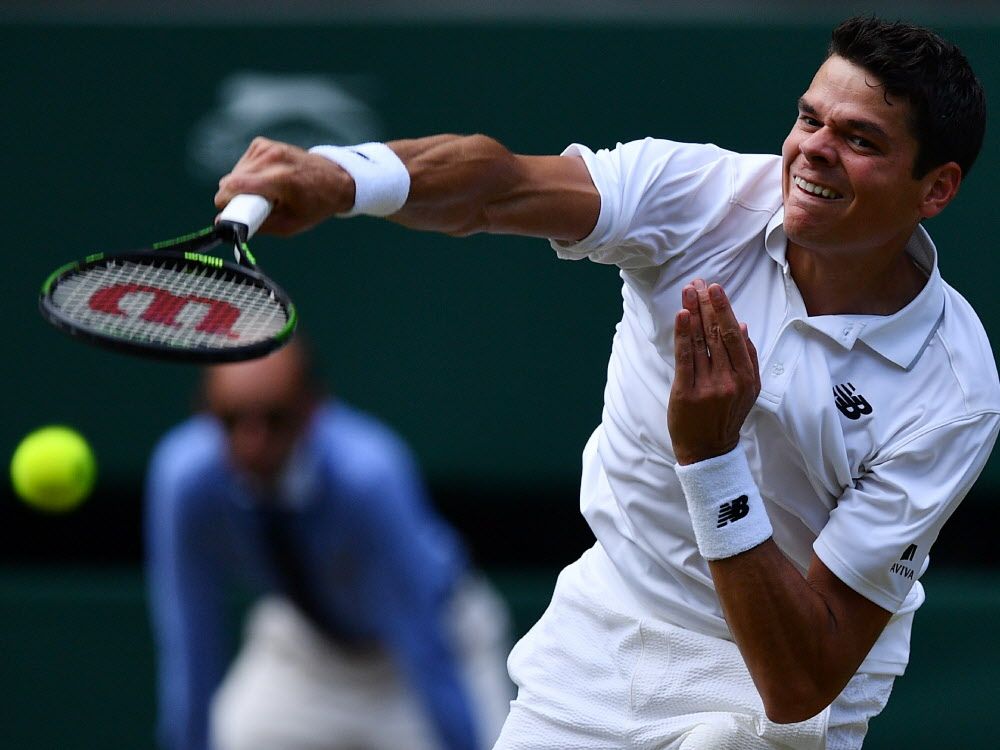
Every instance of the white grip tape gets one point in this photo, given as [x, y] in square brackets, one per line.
[381, 182]
[725, 506]
[250, 210]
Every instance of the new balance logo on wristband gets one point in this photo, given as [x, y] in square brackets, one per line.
[851, 406]
[733, 511]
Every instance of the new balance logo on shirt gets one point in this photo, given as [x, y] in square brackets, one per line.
[733, 511]
[850, 405]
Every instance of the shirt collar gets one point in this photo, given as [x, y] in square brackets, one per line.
[899, 337]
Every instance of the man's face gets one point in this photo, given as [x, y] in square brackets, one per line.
[851, 144]
[263, 405]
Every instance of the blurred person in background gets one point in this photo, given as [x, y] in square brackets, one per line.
[370, 628]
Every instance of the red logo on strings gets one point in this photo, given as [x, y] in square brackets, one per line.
[166, 306]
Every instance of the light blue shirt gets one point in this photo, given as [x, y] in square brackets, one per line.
[382, 565]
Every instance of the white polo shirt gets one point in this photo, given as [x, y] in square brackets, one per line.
[868, 431]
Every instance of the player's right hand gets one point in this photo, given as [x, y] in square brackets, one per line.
[305, 189]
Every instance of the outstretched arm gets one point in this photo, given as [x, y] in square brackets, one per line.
[459, 185]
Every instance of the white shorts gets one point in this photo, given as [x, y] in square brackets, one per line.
[290, 688]
[597, 673]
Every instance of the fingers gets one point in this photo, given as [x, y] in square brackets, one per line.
[708, 298]
[242, 180]
[696, 329]
[257, 170]
[752, 351]
[683, 351]
[723, 333]
[718, 340]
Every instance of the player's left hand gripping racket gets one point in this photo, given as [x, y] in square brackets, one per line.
[172, 300]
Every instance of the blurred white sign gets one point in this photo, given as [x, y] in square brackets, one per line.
[305, 110]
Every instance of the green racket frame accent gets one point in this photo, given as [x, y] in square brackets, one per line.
[185, 251]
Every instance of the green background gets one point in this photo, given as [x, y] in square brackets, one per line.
[486, 353]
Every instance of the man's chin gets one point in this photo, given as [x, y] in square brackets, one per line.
[802, 228]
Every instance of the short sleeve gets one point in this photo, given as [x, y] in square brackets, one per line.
[659, 198]
[878, 537]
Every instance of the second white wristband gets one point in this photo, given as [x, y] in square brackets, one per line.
[381, 182]
[725, 506]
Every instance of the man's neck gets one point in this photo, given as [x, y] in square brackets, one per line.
[854, 285]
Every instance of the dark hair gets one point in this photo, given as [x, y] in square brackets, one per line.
[948, 106]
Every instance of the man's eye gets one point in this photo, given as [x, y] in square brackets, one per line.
[860, 142]
[809, 121]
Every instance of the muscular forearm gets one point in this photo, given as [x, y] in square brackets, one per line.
[461, 185]
[454, 182]
[801, 636]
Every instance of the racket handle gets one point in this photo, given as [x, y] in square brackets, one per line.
[248, 210]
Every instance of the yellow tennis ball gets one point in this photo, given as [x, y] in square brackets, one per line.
[53, 469]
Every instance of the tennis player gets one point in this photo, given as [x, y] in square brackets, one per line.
[796, 400]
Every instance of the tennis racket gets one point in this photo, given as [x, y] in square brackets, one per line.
[175, 301]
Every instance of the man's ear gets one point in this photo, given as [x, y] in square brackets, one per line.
[940, 186]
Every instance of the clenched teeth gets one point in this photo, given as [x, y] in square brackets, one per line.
[809, 187]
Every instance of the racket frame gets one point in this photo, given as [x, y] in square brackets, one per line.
[189, 250]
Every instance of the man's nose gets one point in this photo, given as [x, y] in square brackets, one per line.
[820, 146]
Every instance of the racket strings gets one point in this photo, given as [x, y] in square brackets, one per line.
[170, 303]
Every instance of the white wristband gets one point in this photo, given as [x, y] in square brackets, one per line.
[381, 182]
[725, 506]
